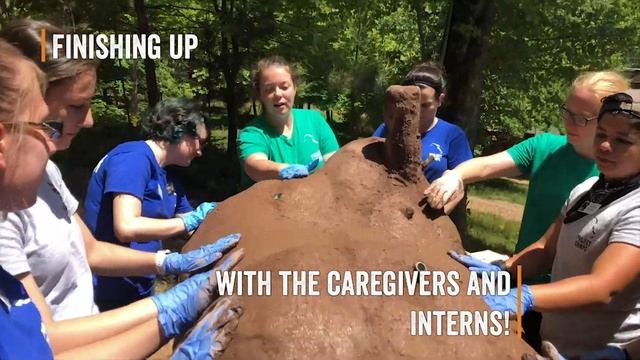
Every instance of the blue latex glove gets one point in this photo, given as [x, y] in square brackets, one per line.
[210, 336]
[193, 219]
[473, 263]
[176, 263]
[298, 171]
[509, 302]
[609, 353]
[181, 305]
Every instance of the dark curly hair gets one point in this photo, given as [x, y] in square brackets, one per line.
[171, 120]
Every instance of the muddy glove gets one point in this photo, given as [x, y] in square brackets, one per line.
[210, 336]
[474, 264]
[193, 219]
[180, 306]
[509, 302]
[298, 171]
[443, 189]
[175, 263]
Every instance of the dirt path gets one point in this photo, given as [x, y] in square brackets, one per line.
[505, 209]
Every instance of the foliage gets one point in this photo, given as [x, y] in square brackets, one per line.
[348, 53]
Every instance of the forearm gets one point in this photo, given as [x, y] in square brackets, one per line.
[113, 260]
[263, 169]
[73, 333]
[538, 257]
[142, 229]
[136, 343]
[534, 260]
[487, 167]
[571, 293]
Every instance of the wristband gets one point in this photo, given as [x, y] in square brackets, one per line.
[160, 255]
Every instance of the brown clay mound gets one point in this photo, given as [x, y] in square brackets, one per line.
[351, 215]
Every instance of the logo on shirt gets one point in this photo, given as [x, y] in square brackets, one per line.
[584, 241]
[22, 302]
[159, 190]
[311, 138]
[437, 156]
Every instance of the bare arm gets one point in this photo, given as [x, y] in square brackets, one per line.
[259, 167]
[69, 334]
[614, 269]
[112, 260]
[538, 257]
[129, 224]
[487, 167]
[447, 190]
[136, 343]
[326, 157]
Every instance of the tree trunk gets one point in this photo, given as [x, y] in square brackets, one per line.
[132, 107]
[421, 21]
[464, 59]
[153, 93]
[231, 61]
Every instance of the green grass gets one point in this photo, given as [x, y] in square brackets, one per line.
[499, 189]
[488, 231]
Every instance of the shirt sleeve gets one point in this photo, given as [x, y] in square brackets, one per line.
[12, 232]
[127, 173]
[459, 149]
[523, 153]
[328, 141]
[381, 131]
[627, 229]
[251, 141]
[70, 202]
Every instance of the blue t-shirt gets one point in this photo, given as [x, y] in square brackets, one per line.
[130, 168]
[446, 142]
[22, 334]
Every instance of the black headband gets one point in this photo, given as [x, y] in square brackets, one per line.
[423, 81]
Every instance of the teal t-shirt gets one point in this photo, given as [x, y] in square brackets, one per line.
[554, 169]
[311, 138]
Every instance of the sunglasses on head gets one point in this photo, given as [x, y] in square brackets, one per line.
[621, 104]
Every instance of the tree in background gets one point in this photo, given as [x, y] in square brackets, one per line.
[509, 62]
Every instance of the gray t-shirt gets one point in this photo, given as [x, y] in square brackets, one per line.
[580, 243]
[46, 241]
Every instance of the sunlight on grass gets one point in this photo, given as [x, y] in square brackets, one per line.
[488, 231]
[500, 189]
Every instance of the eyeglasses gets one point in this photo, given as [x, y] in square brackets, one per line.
[52, 129]
[577, 119]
